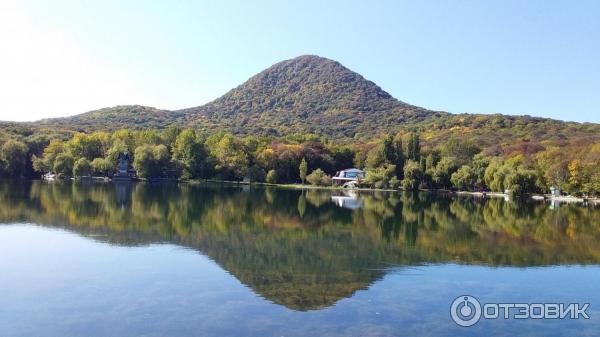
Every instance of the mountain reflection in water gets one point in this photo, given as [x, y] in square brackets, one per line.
[308, 249]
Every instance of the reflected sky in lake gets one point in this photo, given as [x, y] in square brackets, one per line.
[156, 260]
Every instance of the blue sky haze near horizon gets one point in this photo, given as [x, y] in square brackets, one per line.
[513, 57]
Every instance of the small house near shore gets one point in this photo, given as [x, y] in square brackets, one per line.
[344, 176]
[124, 170]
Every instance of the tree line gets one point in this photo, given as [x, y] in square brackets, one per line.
[400, 160]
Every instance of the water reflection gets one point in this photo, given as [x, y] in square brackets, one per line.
[347, 199]
[308, 249]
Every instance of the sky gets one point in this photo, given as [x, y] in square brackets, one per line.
[541, 58]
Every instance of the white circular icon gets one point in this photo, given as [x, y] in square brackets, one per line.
[465, 310]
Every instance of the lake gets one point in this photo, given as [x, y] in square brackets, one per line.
[224, 260]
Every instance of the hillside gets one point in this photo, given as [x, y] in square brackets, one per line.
[133, 116]
[309, 94]
[312, 94]
[305, 94]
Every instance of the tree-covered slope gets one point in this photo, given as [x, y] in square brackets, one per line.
[307, 94]
[122, 116]
[312, 94]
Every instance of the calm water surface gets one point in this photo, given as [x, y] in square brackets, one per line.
[168, 260]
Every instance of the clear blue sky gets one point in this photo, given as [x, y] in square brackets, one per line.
[515, 57]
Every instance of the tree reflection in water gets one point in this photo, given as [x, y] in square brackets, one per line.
[299, 248]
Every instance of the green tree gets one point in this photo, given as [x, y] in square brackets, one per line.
[14, 156]
[471, 177]
[414, 147]
[412, 175]
[102, 166]
[463, 178]
[125, 140]
[375, 157]
[82, 167]
[169, 136]
[460, 152]
[478, 166]
[63, 164]
[144, 163]
[147, 137]
[86, 146]
[590, 170]
[38, 164]
[232, 159]
[55, 147]
[399, 156]
[393, 153]
[151, 161]
[380, 177]
[189, 150]
[118, 147]
[431, 161]
[521, 181]
[443, 171]
[389, 152]
[494, 175]
[303, 170]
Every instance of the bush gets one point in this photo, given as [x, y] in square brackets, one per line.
[318, 178]
[272, 177]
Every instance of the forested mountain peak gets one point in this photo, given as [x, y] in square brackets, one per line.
[313, 94]
[308, 93]
[327, 79]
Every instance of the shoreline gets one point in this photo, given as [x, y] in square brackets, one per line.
[538, 197]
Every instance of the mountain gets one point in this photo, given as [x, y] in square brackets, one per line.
[305, 94]
[308, 94]
[312, 94]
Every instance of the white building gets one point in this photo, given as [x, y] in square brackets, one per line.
[347, 175]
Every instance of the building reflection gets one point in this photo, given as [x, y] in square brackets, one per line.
[347, 199]
[123, 191]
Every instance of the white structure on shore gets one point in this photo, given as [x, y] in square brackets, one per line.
[348, 175]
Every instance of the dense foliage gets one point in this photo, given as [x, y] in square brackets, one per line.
[313, 108]
[400, 160]
[311, 94]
